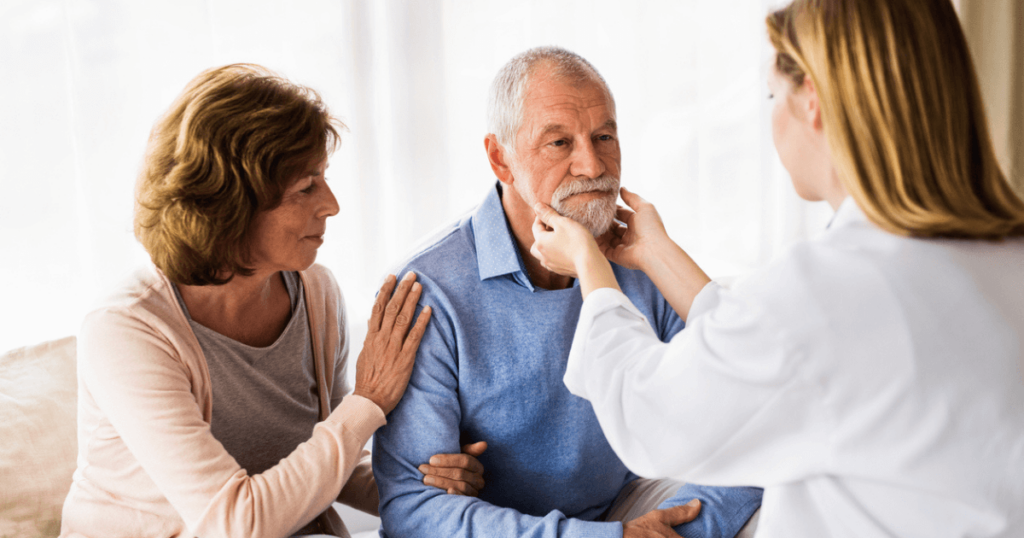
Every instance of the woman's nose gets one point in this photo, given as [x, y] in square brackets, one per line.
[329, 205]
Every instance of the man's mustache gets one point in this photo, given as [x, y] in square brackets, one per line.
[605, 183]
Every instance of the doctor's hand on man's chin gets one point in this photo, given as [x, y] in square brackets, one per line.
[659, 523]
[641, 235]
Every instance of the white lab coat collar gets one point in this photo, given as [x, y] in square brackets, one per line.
[848, 213]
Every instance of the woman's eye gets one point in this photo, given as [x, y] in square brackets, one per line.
[558, 143]
[308, 189]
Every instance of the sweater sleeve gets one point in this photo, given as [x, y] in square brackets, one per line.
[139, 382]
[426, 422]
[360, 492]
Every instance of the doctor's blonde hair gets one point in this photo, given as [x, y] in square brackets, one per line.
[902, 113]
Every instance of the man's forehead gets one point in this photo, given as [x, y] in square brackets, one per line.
[567, 100]
[550, 96]
[544, 85]
[556, 127]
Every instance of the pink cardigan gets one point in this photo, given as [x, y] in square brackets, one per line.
[148, 465]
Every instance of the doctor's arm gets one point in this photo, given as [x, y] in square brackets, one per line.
[727, 401]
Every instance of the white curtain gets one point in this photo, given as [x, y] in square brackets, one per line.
[995, 33]
[82, 81]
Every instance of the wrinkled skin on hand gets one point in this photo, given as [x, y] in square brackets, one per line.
[659, 523]
[458, 474]
[389, 351]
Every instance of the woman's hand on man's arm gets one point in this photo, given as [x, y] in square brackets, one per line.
[389, 351]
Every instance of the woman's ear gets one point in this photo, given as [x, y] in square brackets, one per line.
[498, 157]
[812, 105]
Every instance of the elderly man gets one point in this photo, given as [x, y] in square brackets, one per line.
[490, 365]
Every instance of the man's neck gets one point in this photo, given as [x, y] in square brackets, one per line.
[520, 218]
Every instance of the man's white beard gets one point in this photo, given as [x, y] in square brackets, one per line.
[596, 215]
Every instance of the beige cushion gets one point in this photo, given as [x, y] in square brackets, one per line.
[38, 444]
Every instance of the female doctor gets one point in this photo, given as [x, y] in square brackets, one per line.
[870, 379]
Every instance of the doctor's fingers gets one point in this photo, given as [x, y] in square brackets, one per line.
[546, 214]
[632, 199]
[624, 215]
[540, 236]
[539, 228]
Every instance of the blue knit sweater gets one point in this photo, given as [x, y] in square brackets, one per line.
[490, 368]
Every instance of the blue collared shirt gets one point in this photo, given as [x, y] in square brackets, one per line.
[490, 368]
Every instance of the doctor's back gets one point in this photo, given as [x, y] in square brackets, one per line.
[911, 355]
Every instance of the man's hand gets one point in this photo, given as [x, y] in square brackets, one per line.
[458, 474]
[659, 523]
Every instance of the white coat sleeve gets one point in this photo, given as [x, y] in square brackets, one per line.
[724, 403]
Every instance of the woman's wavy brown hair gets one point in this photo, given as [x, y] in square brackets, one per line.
[902, 113]
[227, 148]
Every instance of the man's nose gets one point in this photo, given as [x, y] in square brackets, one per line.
[586, 162]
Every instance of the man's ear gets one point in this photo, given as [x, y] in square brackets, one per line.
[498, 157]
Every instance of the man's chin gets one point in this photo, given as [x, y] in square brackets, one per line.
[596, 221]
[602, 228]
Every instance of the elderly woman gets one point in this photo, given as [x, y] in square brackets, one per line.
[213, 395]
[871, 379]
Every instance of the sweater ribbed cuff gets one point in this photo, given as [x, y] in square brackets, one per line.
[358, 415]
[573, 528]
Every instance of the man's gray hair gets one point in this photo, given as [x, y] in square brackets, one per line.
[508, 90]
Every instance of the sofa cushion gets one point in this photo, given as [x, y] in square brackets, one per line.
[38, 444]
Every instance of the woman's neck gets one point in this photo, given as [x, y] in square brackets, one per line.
[835, 192]
[250, 309]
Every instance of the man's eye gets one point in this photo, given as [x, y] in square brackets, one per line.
[308, 189]
[558, 143]
[605, 137]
